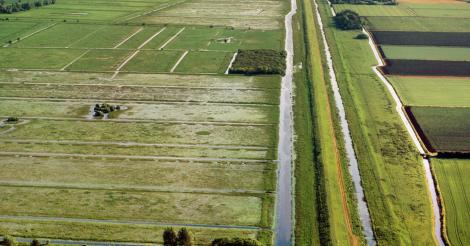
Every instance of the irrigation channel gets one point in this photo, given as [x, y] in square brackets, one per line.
[427, 165]
[284, 185]
[353, 163]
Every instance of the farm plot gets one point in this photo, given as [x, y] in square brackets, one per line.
[454, 10]
[445, 130]
[426, 67]
[90, 10]
[240, 14]
[153, 62]
[13, 30]
[36, 58]
[205, 62]
[422, 38]
[375, 10]
[452, 178]
[99, 60]
[414, 24]
[432, 91]
[426, 53]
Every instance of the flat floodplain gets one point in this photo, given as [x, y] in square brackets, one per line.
[444, 129]
[454, 185]
[188, 147]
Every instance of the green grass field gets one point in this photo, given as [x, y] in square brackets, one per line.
[390, 171]
[423, 24]
[375, 10]
[191, 146]
[426, 53]
[454, 188]
[448, 129]
[429, 91]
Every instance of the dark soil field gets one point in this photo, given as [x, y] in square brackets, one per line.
[443, 130]
[424, 67]
[422, 38]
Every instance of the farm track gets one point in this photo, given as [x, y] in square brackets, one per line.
[127, 38]
[127, 222]
[128, 120]
[415, 139]
[133, 157]
[133, 188]
[31, 34]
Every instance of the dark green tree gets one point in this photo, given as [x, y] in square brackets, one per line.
[169, 237]
[185, 237]
[348, 20]
[236, 242]
[35, 242]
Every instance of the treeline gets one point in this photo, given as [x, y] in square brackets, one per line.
[369, 2]
[22, 6]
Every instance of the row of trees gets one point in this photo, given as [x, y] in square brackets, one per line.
[22, 6]
[185, 238]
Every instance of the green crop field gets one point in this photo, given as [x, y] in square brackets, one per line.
[447, 129]
[454, 185]
[422, 24]
[426, 53]
[428, 91]
[376, 10]
[188, 146]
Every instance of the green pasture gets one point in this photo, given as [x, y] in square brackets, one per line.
[105, 37]
[205, 62]
[140, 37]
[110, 173]
[111, 232]
[251, 14]
[131, 205]
[426, 53]
[145, 132]
[160, 112]
[162, 37]
[162, 80]
[61, 35]
[147, 61]
[36, 58]
[100, 60]
[97, 93]
[448, 129]
[457, 10]
[375, 10]
[432, 91]
[418, 24]
[454, 186]
[13, 30]
[110, 150]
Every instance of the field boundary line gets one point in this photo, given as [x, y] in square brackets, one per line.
[93, 100]
[179, 61]
[231, 62]
[133, 157]
[130, 120]
[31, 34]
[436, 216]
[126, 222]
[129, 37]
[151, 38]
[172, 38]
[117, 187]
[77, 142]
[74, 60]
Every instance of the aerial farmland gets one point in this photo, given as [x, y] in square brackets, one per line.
[234, 122]
[120, 119]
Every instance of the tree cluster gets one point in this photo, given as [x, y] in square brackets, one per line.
[183, 238]
[101, 109]
[348, 20]
[19, 5]
[262, 61]
[236, 242]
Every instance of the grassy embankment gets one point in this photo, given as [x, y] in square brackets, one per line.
[390, 169]
[322, 216]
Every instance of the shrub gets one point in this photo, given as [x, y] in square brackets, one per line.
[185, 237]
[12, 119]
[169, 237]
[348, 20]
[236, 242]
[35, 242]
[9, 241]
[261, 61]
[362, 36]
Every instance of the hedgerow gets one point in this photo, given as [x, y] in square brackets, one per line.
[263, 61]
